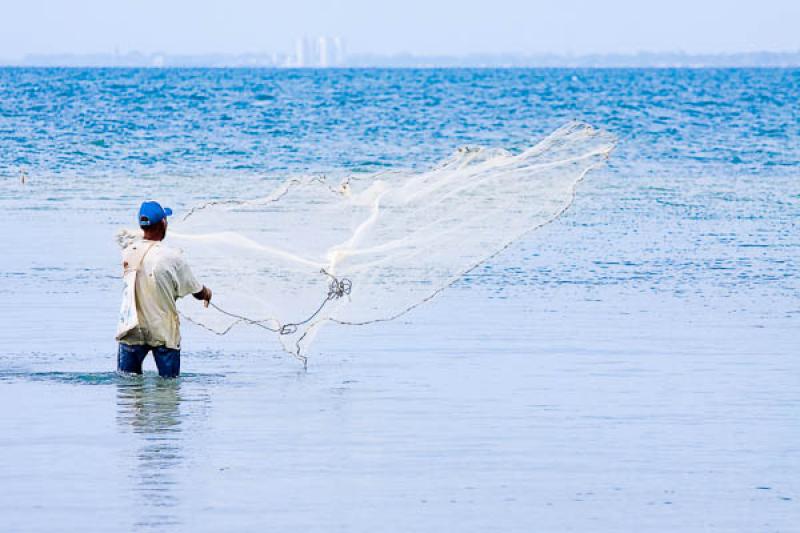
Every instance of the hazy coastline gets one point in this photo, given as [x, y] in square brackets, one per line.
[769, 59]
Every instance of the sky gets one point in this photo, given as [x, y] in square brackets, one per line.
[422, 27]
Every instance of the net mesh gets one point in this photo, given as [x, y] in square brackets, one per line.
[371, 248]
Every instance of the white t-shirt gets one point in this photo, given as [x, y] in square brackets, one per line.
[164, 276]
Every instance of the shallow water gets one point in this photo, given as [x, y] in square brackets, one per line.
[632, 366]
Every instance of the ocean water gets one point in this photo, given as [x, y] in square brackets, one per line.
[630, 367]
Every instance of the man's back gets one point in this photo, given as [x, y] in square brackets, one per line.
[163, 277]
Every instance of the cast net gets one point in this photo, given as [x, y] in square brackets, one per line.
[372, 248]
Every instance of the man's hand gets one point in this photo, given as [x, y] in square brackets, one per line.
[204, 295]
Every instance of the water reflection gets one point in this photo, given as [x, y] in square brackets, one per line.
[153, 408]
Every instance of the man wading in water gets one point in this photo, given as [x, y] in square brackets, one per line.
[155, 277]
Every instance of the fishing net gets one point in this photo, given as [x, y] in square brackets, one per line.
[373, 247]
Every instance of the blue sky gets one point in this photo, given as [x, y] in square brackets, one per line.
[389, 27]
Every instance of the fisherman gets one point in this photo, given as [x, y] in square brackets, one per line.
[155, 277]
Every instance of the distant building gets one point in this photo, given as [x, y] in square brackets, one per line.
[321, 52]
[302, 53]
[338, 51]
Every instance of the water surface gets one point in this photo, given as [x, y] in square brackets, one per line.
[631, 366]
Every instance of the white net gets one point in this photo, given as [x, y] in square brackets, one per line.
[374, 247]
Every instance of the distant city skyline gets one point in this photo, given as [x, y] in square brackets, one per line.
[410, 28]
[322, 51]
[328, 52]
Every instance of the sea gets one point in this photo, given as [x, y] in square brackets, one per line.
[631, 366]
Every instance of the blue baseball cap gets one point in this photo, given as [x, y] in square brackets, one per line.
[152, 213]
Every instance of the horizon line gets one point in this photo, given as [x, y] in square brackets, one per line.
[279, 60]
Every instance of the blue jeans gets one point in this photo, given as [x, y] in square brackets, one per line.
[130, 358]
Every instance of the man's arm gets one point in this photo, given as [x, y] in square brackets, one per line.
[204, 294]
[185, 282]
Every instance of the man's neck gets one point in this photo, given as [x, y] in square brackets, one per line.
[151, 237]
